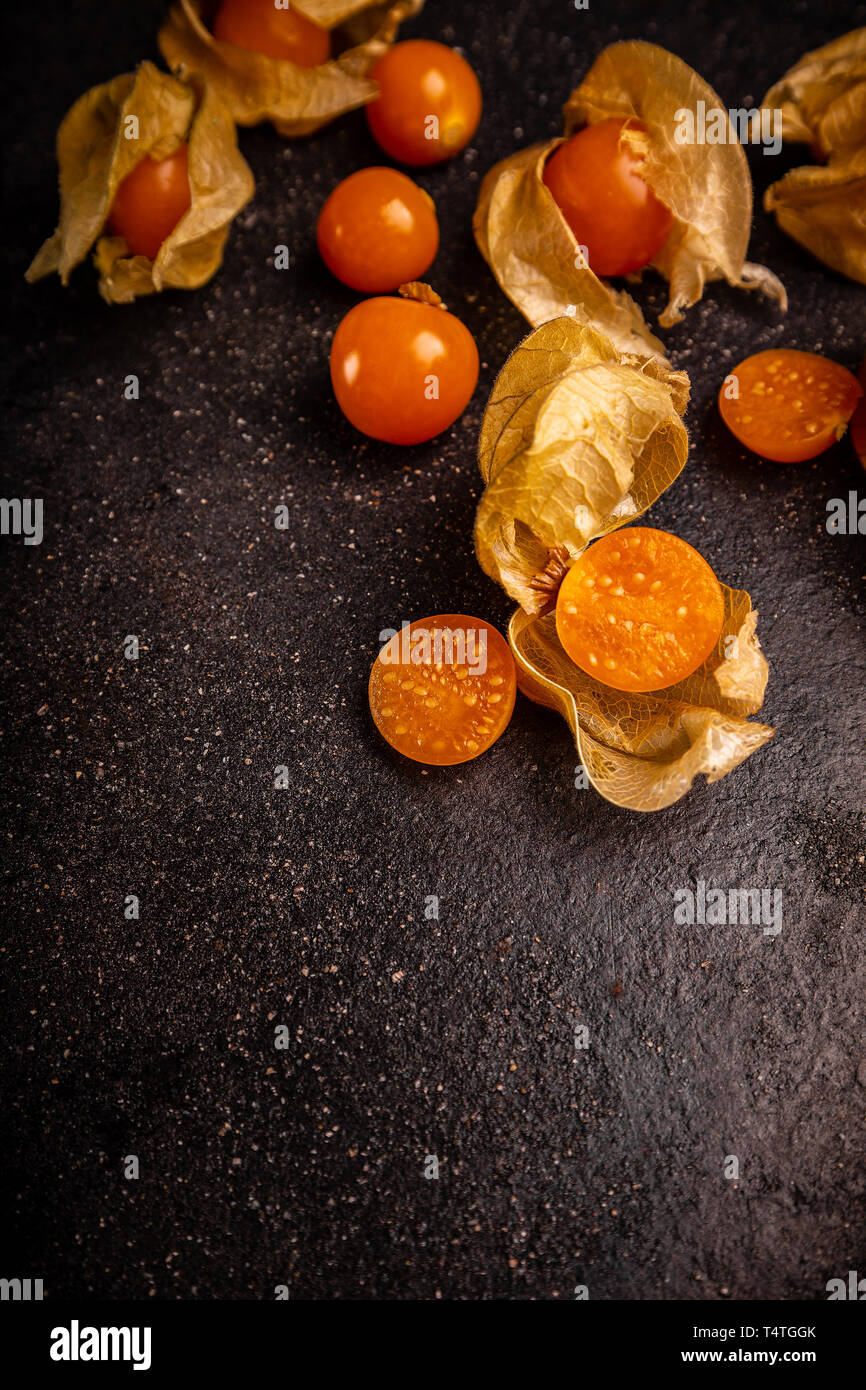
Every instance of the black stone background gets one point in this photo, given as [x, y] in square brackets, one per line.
[305, 906]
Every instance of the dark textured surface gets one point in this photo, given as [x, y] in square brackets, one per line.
[306, 906]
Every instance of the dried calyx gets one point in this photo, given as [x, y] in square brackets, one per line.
[421, 293]
[533, 251]
[95, 153]
[577, 440]
[548, 580]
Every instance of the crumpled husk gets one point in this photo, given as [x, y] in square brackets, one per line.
[94, 157]
[578, 440]
[823, 102]
[297, 100]
[535, 256]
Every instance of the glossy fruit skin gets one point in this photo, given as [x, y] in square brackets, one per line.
[611, 210]
[640, 610]
[377, 230]
[390, 357]
[419, 79]
[284, 34]
[150, 202]
[447, 711]
[791, 405]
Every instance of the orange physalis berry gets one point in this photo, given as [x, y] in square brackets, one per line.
[150, 202]
[402, 371]
[612, 211]
[429, 102]
[377, 230]
[286, 34]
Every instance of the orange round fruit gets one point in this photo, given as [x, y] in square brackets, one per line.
[610, 208]
[150, 202]
[788, 406]
[377, 230]
[639, 610]
[259, 26]
[402, 371]
[442, 689]
[429, 102]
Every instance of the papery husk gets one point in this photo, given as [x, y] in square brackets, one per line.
[572, 423]
[535, 257]
[296, 100]
[577, 440]
[532, 251]
[644, 751]
[823, 206]
[94, 157]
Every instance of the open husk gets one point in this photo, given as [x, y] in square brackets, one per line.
[297, 100]
[823, 205]
[578, 440]
[535, 256]
[94, 155]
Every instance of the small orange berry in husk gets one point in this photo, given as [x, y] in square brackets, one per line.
[285, 34]
[150, 202]
[603, 197]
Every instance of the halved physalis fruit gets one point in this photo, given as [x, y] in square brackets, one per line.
[442, 689]
[788, 406]
[639, 610]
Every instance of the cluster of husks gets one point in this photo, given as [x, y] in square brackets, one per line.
[214, 86]
[823, 105]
